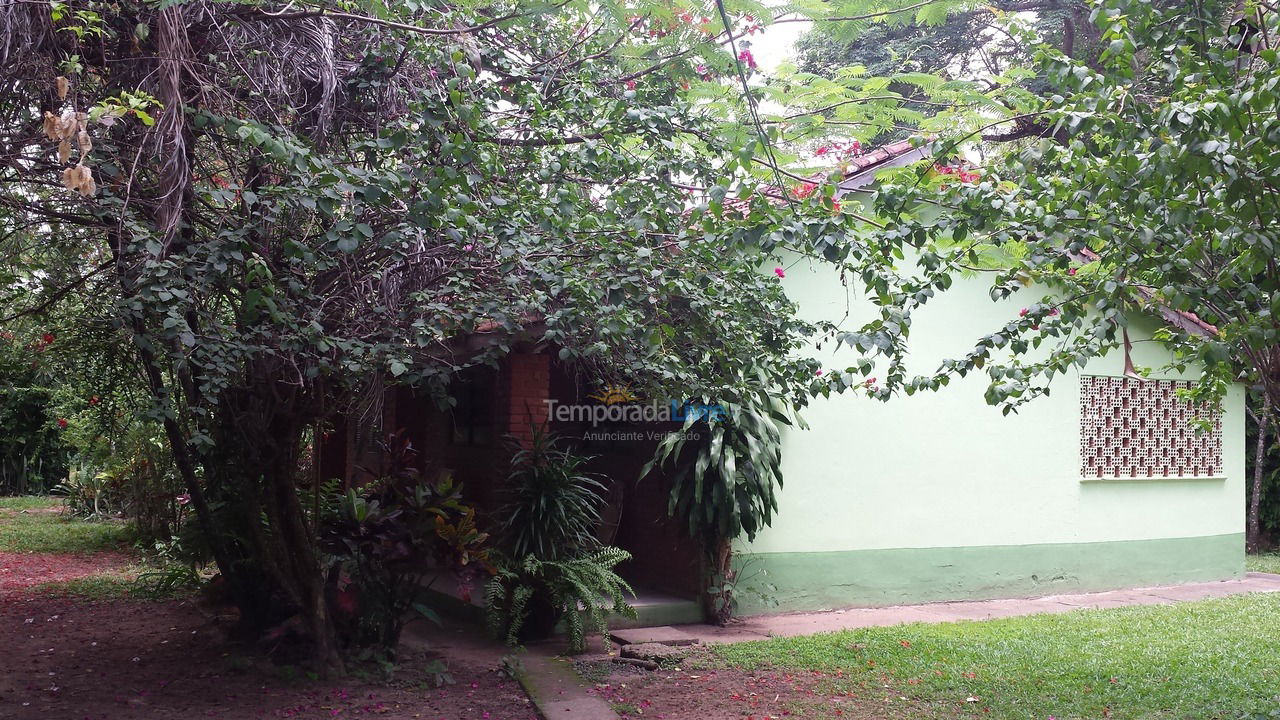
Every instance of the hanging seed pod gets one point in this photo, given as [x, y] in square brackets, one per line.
[63, 86]
[64, 151]
[67, 126]
[50, 125]
[80, 179]
[86, 144]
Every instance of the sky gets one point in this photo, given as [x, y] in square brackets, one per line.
[776, 44]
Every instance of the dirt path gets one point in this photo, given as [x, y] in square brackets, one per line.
[135, 659]
[22, 571]
[69, 658]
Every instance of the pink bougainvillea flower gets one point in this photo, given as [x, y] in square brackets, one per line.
[835, 206]
[871, 381]
[1022, 312]
[779, 272]
[1071, 271]
[468, 247]
[818, 373]
[822, 151]
[746, 57]
[631, 84]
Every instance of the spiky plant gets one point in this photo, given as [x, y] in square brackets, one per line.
[553, 505]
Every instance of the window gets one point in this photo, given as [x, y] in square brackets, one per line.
[473, 409]
[1133, 428]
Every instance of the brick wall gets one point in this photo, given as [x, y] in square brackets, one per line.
[528, 389]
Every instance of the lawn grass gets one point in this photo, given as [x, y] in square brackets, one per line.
[28, 502]
[93, 587]
[26, 525]
[1209, 659]
[1267, 563]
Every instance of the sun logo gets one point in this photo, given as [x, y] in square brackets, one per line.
[614, 394]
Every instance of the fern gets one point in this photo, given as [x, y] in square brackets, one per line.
[581, 587]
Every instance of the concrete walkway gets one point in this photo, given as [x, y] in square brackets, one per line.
[759, 628]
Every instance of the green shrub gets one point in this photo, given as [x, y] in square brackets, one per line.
[568, 589]
[382, 540]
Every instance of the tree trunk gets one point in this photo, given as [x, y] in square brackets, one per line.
[1253, 530]
[259, 434]
[719, 605]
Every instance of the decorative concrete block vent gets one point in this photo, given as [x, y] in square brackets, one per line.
[1133, 428]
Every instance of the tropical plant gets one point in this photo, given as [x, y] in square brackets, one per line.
[552, 506]
[384, 539]
[529, 589]
[85, 493]
[725, 470]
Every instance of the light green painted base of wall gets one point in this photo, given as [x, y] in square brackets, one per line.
[828, 580]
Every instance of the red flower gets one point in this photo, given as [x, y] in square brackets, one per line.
[95, 400]
[1022, 312]
[804, 190]
[48, 338]
[746, 57]
[870, 381]
[1071, 271]
[779, 272]
[62, 423]
[631, 84]
[835, 206]
[822, 151]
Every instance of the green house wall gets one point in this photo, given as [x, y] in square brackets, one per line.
[939, 496]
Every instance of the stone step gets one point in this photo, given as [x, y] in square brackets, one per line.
[660, 635]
